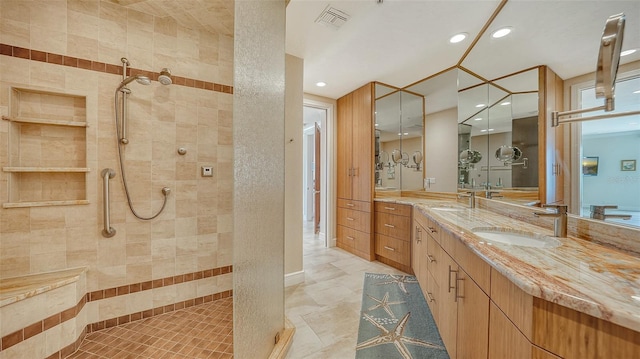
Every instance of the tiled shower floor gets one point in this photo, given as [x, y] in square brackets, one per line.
[204, 331]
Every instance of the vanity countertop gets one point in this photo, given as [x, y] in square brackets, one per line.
[579, 274]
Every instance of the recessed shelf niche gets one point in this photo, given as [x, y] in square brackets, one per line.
[47, 149]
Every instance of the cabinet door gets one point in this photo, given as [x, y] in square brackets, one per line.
[505, 340]
[419, 255]
[473, 318]
[344, 143]
[362, 151]
[448, 307]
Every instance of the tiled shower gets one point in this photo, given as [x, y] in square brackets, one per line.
[59, 68]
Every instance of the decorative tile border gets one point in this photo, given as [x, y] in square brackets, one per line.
[23, 334]
[57, 59]
[156, 283]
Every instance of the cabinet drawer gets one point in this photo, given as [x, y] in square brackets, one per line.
[393, 208]
[393, 226]
[357, 220]
[392, 248]
[357, 205]
[354, 241]
[432, 228]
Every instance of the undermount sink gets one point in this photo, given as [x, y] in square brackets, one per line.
[515, 237]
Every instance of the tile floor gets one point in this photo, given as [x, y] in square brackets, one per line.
[204, 331]
[326, 308]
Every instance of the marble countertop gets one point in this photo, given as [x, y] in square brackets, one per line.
[579, 274]
[19, 288]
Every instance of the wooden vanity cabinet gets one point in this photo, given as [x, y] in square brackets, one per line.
[355, 172]
[458, 304]
[393, 235]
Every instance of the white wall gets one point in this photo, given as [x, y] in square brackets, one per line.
[611, 185]
[441, 150]
[293, 178]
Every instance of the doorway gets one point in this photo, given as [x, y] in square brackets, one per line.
[316, 166]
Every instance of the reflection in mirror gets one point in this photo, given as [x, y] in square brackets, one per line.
[387, 128]
[473, 127]
[439, 94]
[615, 142]
[412, 129]
[508, 121]
[399, 131]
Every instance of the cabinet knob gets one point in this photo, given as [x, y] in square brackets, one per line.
[349, 219]
[350, 204]
[389, 248]
[389, 225]
[431, 258]
[350, 238]
[432, 229]
[390, 208]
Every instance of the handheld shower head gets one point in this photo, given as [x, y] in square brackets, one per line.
[165, 77]
[143, 80]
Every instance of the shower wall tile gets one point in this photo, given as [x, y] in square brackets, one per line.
[194, 232]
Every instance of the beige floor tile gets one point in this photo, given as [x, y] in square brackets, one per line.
[326, 308]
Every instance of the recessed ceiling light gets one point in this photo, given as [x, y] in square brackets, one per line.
[406, 133]
[628, 52]
[458, 37]
[636, 91]
[321, 84]
[505, 103]
[399, 134]
[480, 105]
[491, 129]
[478, 119]
[377, 125]
[501, 32]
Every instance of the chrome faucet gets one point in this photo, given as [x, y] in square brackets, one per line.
[472, 198]
[560, 222]
[597, 212]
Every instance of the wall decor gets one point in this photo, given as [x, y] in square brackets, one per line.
[590, 166]
[628, 165]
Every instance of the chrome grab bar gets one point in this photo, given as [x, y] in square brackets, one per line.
[107, 174]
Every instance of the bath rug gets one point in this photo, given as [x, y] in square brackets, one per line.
[395, 321]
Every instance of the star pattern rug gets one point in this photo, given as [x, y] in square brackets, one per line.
[395, 321]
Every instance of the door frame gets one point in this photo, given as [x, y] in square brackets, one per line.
[327, 171]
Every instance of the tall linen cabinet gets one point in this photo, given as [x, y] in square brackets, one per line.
[355, 172]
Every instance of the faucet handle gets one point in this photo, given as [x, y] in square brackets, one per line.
[560, 208]
[602, 208]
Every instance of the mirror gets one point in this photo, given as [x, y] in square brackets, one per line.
[507, 154]
[387, 143]
[499, 119]
[438, 96]
[398, 132]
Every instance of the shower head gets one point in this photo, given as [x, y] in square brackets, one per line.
[143, 80]
[165, 77]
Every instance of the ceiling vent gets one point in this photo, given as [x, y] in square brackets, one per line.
[332, 17]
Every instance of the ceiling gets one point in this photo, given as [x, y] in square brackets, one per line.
[400, 42]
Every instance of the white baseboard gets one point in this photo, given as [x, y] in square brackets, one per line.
[293, 278]
[334, 242]
[322, 236]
